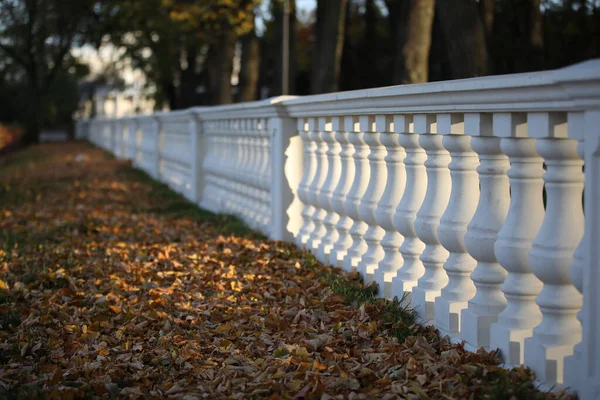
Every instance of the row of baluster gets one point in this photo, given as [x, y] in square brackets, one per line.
[238, 171]
[473, 217]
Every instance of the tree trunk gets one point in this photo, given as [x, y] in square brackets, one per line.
[464, 38]
[535, 35]
[250, 67]
[486, 13]
[224, 53]
[412, 33]
[368, 49]
[34, 123]
[327, 51]
[277, 11]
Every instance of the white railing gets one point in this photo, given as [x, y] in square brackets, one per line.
[464, 195]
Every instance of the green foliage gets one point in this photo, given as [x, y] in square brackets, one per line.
[396, 315]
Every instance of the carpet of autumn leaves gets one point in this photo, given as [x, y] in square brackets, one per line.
[114, 287]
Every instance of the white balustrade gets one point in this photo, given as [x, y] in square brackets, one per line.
[304, 188]
[130, 139]
[343, 127]
[494, 200]
[386, 209]
[357, 191]
[317, 127]
[553, 247]
[429, 215]
[330, 235]
[435, 192]
[147, 158]
[368, 206]
[412, 247]
[572, 378]
[513, 243]
[175, 164]
[463, 201]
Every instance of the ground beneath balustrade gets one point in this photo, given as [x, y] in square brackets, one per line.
[113, 286]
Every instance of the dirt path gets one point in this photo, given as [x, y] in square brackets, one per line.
[112, 286]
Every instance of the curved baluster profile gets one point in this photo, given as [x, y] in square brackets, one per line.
[386, 209]
[428, 218]
[453, 225]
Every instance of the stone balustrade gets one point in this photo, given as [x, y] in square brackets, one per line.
[465, 198]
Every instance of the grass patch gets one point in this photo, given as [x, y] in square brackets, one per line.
[397, 317]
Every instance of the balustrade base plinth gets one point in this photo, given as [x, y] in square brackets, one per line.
[476, 328]
[384, 282]
[547, 362]
[447, 316]
[423, 302]
[511, 343]
[403, 289]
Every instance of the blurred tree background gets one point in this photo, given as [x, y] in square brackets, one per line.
[206, 52]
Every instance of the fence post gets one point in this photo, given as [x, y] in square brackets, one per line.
[158, 136]
[198, 144]
[590, 368]
[286, 170]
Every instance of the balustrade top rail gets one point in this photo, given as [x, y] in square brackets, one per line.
[463, 195]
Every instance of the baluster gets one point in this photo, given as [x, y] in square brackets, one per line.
[404, 219]
[386, 209]
[233, 173]
[310, 169]
[377, 179]
[453, 225]
[265, 176]
[428, 217]
[317, 187]
[513, 243]
[488, 276]
[553, 248]
[245, 204]
[238, 165]
[357, 191]
[573, 363]
[326, 198]
[253, 177]
[340, 195]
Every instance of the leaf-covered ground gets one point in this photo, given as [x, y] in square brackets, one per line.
[114, 287]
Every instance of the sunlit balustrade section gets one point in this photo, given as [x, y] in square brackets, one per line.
[317, 127]
[488, 276]
[310, 168]
[429, 215]
[332, 179]
[176, 152]
[411, 269]
[552, 251]
[464, 198]
[357, 191]
[513, 242]
[242, 144]
[343, 126]
[373, 253]
[386, 208]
